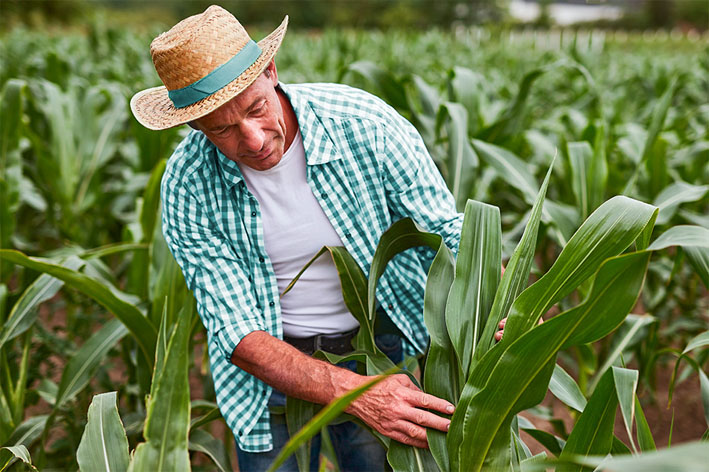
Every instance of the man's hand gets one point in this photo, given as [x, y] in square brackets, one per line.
[501, 328]
[396, 408]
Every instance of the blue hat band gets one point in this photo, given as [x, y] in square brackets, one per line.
[218, 78]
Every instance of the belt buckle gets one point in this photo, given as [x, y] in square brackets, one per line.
[317, 344]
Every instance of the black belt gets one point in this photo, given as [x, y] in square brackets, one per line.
[334, 343]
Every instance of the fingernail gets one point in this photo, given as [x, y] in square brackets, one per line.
[448, 426]
[450, 409]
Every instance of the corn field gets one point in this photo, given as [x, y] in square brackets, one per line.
[580, 160]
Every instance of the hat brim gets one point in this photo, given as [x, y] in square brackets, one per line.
[154, 109]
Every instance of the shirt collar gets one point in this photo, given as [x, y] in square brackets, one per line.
[319, 145]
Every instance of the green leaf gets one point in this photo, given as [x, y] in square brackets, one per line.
[694, 240]
[298, 413]
[502, 386]
[553, 443]
[20, 452]
[143, 331]
[386, 84]
[564, 387]
[607, 232]
[441, 376]
[626, 383]
[104, 445]
[168, 411]
[510, 123]
[404, 458]
[24, 312]
[325, 416]
[202, 441]
[461, 162]
[516, 275]
[12, 104]
[477, 275]
[636, 324]
[674, 195]
[151, 201]
[580, 160]
[593, 432]
[656, 124]
[645, 439]
[83, 365]
[400, 236]
[688, 457]
[698, 341]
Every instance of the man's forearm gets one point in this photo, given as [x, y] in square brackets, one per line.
[297, 375]
[395, 406]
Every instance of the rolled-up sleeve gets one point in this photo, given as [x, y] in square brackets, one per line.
[212, 269]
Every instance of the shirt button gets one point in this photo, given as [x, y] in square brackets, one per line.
[253, 213]
[324, 195]
[348, 235]
[261, 259]
[271, 303]
[391, 307]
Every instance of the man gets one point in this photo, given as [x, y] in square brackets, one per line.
[272, 173]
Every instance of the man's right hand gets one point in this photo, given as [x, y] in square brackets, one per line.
[396, 408]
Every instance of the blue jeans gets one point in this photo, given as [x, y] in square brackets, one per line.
[357, 449]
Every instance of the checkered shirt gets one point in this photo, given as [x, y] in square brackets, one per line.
[367, 167]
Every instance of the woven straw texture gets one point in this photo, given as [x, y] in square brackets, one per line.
[189, 51]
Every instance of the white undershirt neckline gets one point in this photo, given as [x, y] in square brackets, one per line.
[295, 228]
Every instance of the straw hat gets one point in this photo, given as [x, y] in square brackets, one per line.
[204, 61]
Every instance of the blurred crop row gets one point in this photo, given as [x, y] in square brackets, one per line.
[79, 198]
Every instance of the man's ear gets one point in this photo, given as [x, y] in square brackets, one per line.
[271, 73]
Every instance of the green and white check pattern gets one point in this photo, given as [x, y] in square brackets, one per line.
[366, 165]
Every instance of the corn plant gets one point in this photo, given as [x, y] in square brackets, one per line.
[464, 302]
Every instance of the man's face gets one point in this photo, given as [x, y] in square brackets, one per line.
[250, 129]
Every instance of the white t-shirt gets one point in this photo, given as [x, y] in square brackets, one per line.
[295, 228]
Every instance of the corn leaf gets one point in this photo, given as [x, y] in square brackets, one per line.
[607, 232]
[202, 441]
[593, 432]
[645, 440]
[143, 331]
[441, 377]
[670, 198]
[580, 160]
[24, 312]
[104, 445]
[636, 324]
[400, 236]
[688, 457]
[168, 411]
[516, 275]
[498, 389]
[698, 341]
[83, 365]
[626, 383]
[564, 387]
[298, 413]
[553, 443]
[477, 275]
[12, 104]
[461, 162]
[324, 417]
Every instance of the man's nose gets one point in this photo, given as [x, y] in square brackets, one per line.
[252, 137]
